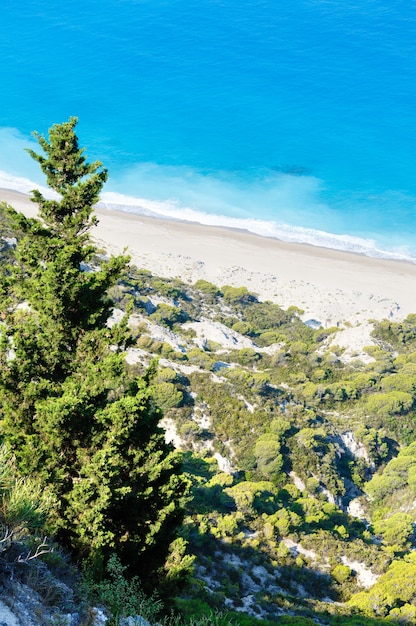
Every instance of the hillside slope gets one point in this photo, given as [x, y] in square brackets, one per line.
[302, 461]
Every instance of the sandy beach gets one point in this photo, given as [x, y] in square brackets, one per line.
[335, 288]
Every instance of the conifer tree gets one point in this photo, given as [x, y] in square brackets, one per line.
[70, 411]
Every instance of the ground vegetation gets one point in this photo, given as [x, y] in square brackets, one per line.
[298, 465]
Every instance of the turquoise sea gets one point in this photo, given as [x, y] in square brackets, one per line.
[294, 119]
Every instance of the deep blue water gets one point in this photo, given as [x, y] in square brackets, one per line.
[285, 117]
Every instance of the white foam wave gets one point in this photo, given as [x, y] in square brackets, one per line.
[170, 209]
[173, 210]
[23, 185]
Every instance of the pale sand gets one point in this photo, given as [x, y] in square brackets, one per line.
[333, 287]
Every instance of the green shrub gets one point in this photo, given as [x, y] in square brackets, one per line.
[237, 295]
[168, 315]
[124, 598]
[341, 573]
[24, 506]
[167, 396]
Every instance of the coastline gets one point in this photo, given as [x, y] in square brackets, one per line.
[334, 287]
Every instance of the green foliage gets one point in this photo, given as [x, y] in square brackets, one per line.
[166, 375]
[393, 595]
[393, 489]
[285, 411]
[251, 497]
[72, 414]
[284, 521]
[178, 565]
[341, 573]
[396, 530]
[88, 429]
[145, 342]
[386, 404]
[167, 396]
[207, 289]
[231, 419]
[242, 327]
[24, 505]
[168, 315]
[266, 316]
[375, 444]
[198, 613]
[236, 295]
[65, 167]
[199, 357]
[268, 456]
[398, 474]
[246, 356]
[123, 597]
[400, 336]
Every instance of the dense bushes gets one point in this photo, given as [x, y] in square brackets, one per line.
[298, 434]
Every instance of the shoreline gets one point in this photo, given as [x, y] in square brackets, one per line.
[337, 288]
